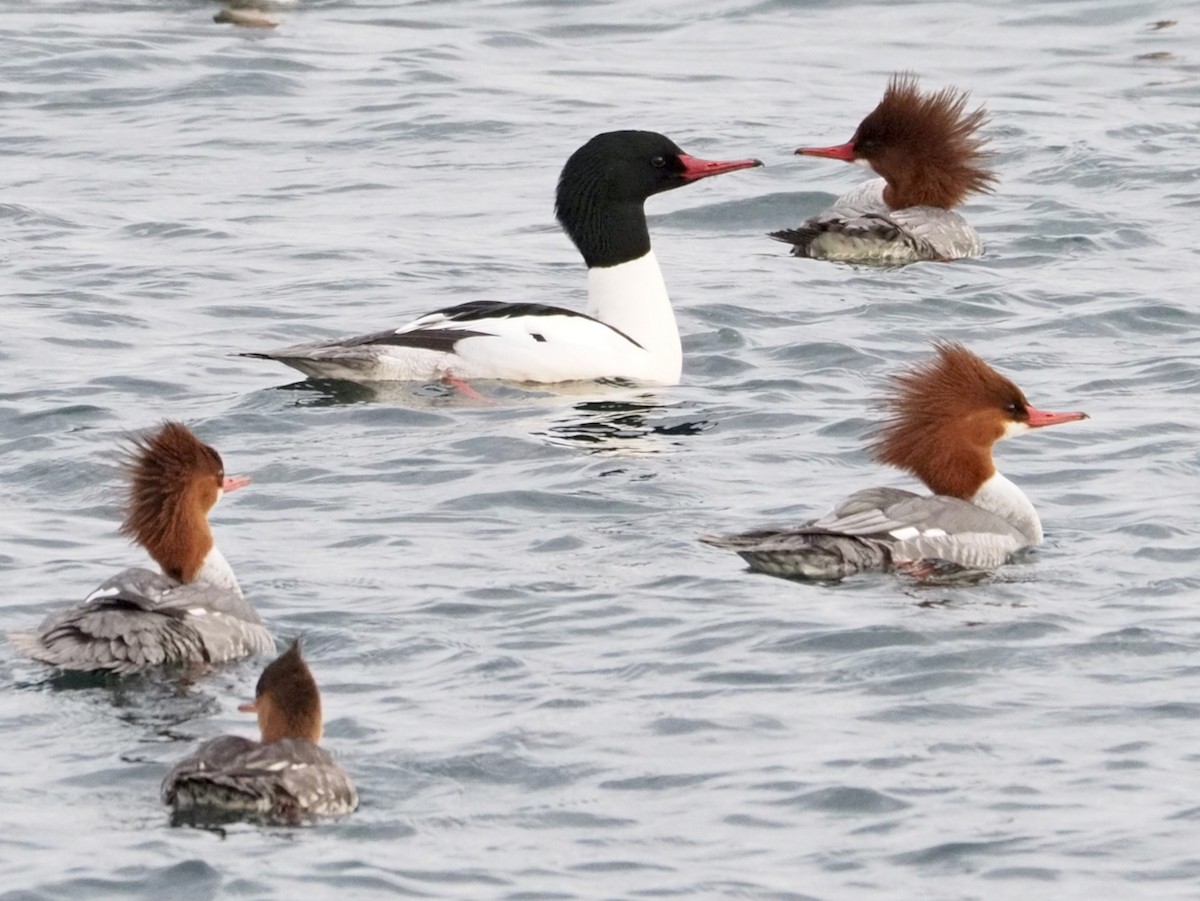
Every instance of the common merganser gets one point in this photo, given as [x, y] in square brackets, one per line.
[629, 330]
[946, 414]
[926, 149]
[191, 612]
[284, 778]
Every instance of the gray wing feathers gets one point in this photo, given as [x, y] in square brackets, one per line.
[140, 619]
[867, 512]
[324, 359]
[877, 529]
[860, 226]
[288, 780]
[939, 234]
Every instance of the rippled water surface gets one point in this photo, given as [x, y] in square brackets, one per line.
[543, 685]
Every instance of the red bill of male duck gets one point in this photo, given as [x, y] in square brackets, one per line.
[930, 158]
[286, 778]
[629, 330]
[945, 417]
[193, 611]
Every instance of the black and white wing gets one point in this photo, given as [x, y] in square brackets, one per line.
[477, 340]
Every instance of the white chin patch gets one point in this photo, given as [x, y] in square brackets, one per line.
[860, 161]
[1013, 428]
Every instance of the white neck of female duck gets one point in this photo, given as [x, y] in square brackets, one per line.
[1000, 496]
[632, 297]
[215, 570]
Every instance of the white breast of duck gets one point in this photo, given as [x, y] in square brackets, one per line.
[1000, 496]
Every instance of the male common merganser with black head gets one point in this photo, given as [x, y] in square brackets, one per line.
[946, 415]
[285, 778]
[930, 158]
[191, 612]
[629, 330]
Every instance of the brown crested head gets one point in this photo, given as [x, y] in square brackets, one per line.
[286, 699]
[944, 415]
[175, 479]
[925, 145]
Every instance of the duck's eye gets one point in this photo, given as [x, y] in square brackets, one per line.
[1017, 409]
[658, 162]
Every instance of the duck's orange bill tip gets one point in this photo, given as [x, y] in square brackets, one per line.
[843, 152]
[1039, 418]
[249, 707]
[695, 168]
[233, 483]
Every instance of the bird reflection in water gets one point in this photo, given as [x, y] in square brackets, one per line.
[342, 393]
[626, 426]
[634, 422]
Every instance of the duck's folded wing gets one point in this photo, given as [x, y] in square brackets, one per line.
[314, 783]
[289, 778]
[937, 234]
[480, 339]
[924, 528]
[216, 779]
[876, 529]
[868, 237]
[139, 619]
[861, 227]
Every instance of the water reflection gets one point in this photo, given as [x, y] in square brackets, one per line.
[159, 700]
[644, 426]
[609, 416]
[342, 393]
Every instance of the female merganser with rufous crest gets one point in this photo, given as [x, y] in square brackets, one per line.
[191, 612]
[285, 778]
[925, 148]
[629, 330]
[946, 415]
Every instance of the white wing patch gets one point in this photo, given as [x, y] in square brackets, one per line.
[101, 593]
[907, 533]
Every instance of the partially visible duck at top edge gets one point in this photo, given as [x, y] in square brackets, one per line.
[629, 330]
[946, 416]
[930, 158]
[284, 778]
[193, 611]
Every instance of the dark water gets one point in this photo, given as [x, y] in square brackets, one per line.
[543, 685]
